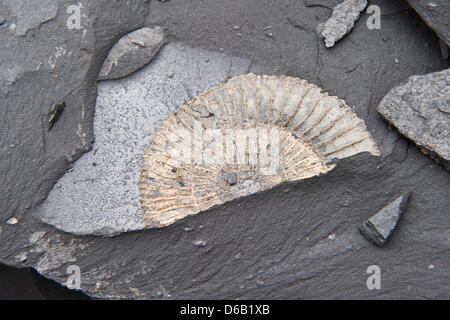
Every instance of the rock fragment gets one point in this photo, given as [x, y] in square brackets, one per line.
[420, 110]
[132, 52]
[342, 21]
[435, 14]
[379, 227]
[307, 124]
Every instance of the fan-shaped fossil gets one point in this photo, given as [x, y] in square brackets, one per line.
[244, 136]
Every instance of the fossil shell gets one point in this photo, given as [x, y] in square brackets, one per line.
[241, 137]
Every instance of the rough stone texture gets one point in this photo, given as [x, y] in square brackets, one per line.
[420, 110]
[341, 21]
[445, 50]
[436, 15]
[132, 52]
[379, 227]
[295, 241]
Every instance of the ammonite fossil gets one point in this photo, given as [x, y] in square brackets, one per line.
[241, 137]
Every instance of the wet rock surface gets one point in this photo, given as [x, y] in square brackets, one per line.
[341, 21]
[420, 110]
[379, 227]
[132, 52]
[295, 241]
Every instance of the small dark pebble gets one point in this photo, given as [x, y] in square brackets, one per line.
[379, 227]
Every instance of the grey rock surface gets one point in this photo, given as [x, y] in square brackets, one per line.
[100, 195]
[445, 50]
[29, 14]
[420, 110]
[379, 227]
[436, 15]
[295, 241]
[132, 52]
[341, 21]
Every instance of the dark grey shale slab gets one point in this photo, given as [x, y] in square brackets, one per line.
[100, 195]
[341, 21]
[436, 15]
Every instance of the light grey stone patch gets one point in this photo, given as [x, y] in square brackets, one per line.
[101, 194]
[132, 52]
[31, 13]
[379, 227]
[342, 21]
[420, 110]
